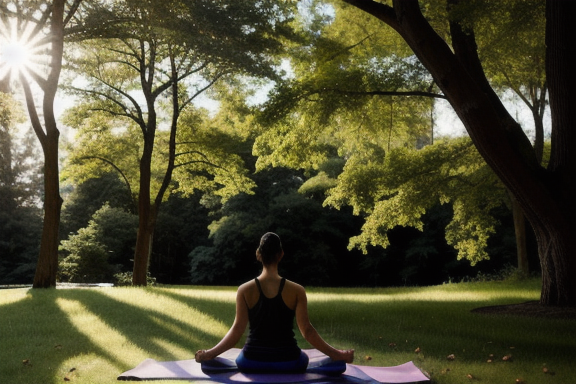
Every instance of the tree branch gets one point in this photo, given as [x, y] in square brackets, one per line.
[382, 93]
[72, 11]
[80, 159]
[382, 11]
[34, 119]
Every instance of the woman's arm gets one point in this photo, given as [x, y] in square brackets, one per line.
[233, 335]
[312, 336]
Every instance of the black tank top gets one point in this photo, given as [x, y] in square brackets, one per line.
[271, 336]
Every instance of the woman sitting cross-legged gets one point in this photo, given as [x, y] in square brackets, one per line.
[269, 304]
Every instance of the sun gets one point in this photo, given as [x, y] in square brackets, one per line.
[20, 51]
[15, 55]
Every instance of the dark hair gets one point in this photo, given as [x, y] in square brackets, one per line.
[270, 247]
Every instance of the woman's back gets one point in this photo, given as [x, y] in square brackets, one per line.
[271, 336]
[270, 287]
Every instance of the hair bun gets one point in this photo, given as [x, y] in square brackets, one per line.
[270, 247]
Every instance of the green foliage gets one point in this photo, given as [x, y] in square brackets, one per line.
[124, 279]
[398, 189]
[116, 231]
[209, 157]
[96, 252]
[20, 196]
[182, 225]
[86, 260]
[82, 200]
[314, 237]
[342, 93]
[20, 232]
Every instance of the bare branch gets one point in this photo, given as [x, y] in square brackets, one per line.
[189, 100]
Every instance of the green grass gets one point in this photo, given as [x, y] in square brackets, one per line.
[91, 335]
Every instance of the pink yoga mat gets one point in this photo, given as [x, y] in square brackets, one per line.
[151, 369]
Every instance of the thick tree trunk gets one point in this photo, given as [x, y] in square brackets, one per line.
[47, 266]
[547, 197]
[556, 234]
[142, 252]
[146, 219]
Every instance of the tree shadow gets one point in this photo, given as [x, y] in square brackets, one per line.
[49, 337]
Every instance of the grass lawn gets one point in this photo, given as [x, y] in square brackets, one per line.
[91, 335]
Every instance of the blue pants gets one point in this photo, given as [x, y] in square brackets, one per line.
[252, 366]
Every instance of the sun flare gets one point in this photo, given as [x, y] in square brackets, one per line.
[20, 51]
[15, 55]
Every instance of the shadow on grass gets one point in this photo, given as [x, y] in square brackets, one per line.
[39, 337]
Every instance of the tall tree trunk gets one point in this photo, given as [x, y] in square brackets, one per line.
[147, 212]
[47, 265]
[45, 275]
[146, 219]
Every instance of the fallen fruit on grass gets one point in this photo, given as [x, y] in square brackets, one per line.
[451, 357]
[470, 376]
[417, 350]
[520, 381]
[392, 345]
[489, 360]
[26, 362]
[507, 358]
[367, 358]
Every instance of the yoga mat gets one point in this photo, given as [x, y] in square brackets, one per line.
[151, 369]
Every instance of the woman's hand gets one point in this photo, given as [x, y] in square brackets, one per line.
[202, 355]
[344, 355]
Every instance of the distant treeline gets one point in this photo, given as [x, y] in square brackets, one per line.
[200, 241]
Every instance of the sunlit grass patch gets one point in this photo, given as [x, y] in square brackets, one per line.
[108, 341]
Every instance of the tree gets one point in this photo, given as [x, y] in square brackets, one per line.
[155, 47]
[546, 195]
[43, 24]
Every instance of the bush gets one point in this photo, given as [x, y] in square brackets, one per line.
[125, 279]
[95, 253]
[87, 259]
